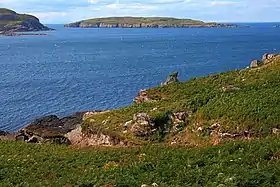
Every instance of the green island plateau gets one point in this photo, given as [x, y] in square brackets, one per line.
[220, 130]
[11, 22]
[144, 22]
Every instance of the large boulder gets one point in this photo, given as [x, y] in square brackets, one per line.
[142, 125]
[172, 78]
[255, 64]
[49, 129]
[267, 56]
[78, 138]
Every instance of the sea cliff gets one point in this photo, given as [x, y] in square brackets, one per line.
[11, 22]
[219, 130]
[210, 109]
[144, 22]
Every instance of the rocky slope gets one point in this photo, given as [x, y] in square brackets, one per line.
[11, 22]
[241, 104]
[143, 22]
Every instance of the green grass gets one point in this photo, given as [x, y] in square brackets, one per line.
[152, 21]
[4, 11]
[14, 19]
[252, 106]
[240, 163]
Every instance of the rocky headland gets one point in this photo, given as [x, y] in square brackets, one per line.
[145, 22]
[11, 23]
[174, 113]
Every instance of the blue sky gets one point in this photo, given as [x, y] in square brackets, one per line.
[64, 11]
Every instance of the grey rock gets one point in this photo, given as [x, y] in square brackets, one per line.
[254, 64]
[172, 78]
[142, 97]
[142, 125]
[50, 129]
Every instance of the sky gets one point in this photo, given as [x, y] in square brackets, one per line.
[65, 11]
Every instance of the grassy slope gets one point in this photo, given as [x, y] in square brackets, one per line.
[20, 17]
[143, 20]
[254, 108]
[238, 163]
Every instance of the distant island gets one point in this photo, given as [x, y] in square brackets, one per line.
[144, 22]
[12, 22]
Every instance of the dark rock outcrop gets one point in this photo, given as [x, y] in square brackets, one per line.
[142, 125]
[266, 59]
[3, 133]
[172, 78]
[49, 129]
[11, 22]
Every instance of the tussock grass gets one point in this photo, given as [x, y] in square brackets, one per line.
[239, 163]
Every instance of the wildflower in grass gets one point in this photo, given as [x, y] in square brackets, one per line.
[110, 165]
[142, 156]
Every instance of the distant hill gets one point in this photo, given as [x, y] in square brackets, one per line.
[10, 21]
[143, 22]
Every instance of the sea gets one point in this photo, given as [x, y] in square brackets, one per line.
[73, 69]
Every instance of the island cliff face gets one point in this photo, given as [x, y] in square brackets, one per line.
[11, 21]
[143, 22]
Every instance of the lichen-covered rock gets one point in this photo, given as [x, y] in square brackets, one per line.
[142, 97]
[268, 57]
[254, 64]
[142, 125]
[78, 138]
[172, 78]
[179, 120]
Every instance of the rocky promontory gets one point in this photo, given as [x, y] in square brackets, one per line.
[144, 22]
[174, 112]
[11, 22]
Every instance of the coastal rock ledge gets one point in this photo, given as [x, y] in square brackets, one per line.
[11, 22]
[144, 22]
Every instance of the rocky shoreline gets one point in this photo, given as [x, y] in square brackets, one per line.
[145, 22]
[11, 23]
[69, 130]
[9, 33]
[143, 25]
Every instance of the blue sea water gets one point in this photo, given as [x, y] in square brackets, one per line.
[85, 69]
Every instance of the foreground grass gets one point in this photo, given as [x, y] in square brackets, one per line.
[239, 163]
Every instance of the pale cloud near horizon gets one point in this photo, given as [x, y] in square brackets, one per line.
[64, 11]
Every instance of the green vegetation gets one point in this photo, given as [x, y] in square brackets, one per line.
[242, 100]
[238, 101]
[240, 163]
[11, 21]
[4, 11]
[139, 22]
